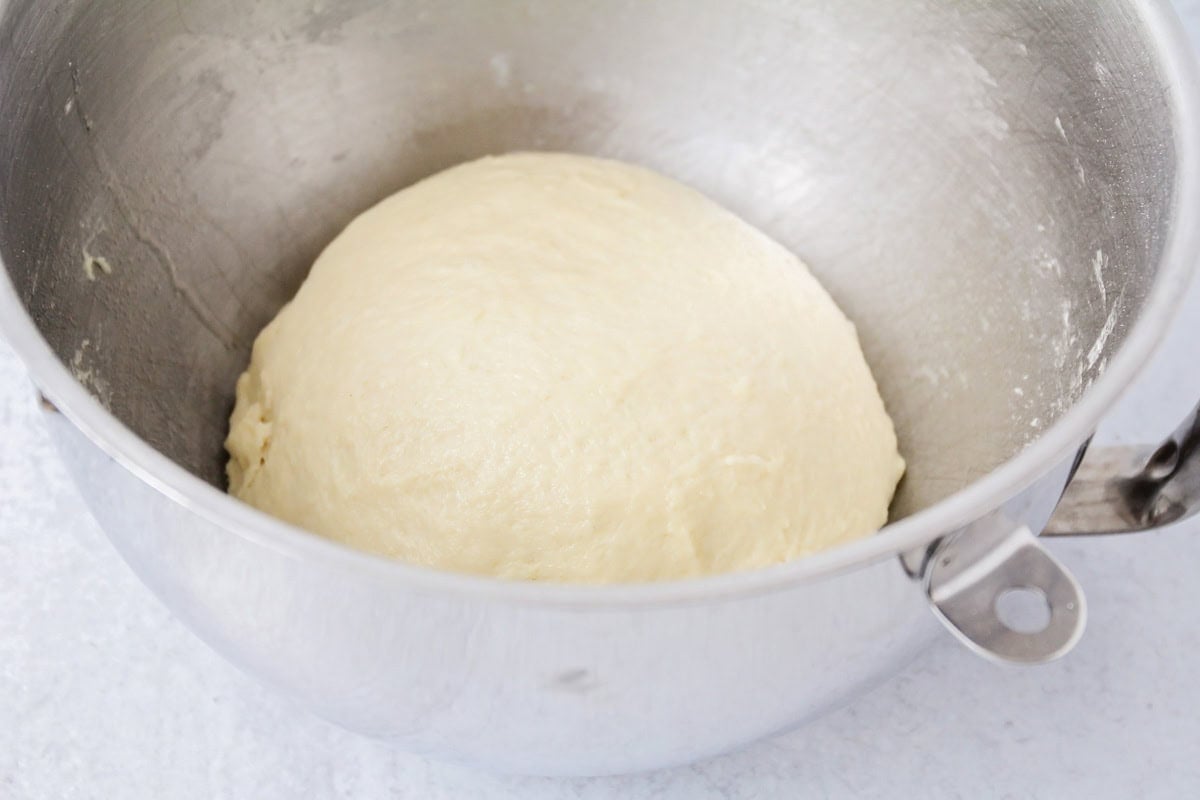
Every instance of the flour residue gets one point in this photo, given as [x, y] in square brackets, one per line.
[931, 374]
[1061, 130]
[95, 264]
[1110, 323]
[500, 66]
[1098, 264]
[82, 368]
[975, 84]
[1049, 264]
[1066, 352]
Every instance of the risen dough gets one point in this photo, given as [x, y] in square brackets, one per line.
[552, 367]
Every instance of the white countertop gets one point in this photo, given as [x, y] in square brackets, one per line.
[103, 694]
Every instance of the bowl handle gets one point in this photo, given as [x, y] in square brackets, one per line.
[1112, 490]
[969, 576]
[1125, 489]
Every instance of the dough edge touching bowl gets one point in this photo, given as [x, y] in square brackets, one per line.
[565, 278]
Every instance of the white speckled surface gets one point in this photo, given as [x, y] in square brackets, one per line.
[102, 694]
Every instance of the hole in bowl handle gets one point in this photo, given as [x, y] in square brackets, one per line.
[1134, 488]
[967, 576]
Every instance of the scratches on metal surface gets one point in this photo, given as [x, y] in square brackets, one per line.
[139, 230]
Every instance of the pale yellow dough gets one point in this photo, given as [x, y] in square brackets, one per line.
[560, 368]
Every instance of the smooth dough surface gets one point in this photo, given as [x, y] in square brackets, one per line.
[555, 367]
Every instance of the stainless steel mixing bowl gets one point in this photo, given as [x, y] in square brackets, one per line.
[1003, 195]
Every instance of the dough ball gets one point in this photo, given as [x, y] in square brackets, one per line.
[560, 368]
